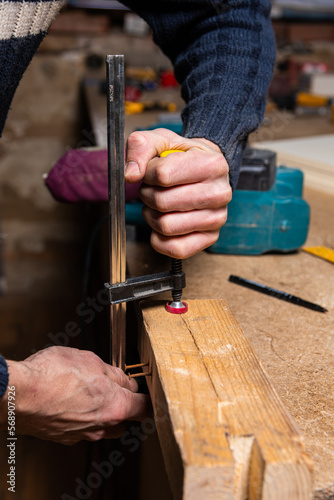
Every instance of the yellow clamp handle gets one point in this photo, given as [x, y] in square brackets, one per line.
[166, 153]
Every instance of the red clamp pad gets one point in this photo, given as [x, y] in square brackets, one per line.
[177, 310]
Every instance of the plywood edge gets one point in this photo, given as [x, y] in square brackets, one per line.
[318, 175]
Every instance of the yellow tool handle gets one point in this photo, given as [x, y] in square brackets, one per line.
[322, 252]
[139, 107]
[169, 151]
[305, 99]
[132, 108]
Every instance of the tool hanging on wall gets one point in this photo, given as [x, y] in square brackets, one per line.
[122, 290]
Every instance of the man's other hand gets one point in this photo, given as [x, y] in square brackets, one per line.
[66, 395]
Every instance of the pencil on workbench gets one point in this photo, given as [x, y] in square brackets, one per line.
[278, 294]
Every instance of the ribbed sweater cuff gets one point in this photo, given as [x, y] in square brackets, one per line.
[3, 376]
[232, 152]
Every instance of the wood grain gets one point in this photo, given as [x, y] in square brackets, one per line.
[224, 432]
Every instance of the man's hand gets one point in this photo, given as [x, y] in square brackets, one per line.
[66, 395]
[185, 194]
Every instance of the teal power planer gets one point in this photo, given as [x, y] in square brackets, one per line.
[267, 212]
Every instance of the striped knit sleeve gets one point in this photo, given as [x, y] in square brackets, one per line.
[3, 376]
[23, 24]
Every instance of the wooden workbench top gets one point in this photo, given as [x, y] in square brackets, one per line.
[294, 344]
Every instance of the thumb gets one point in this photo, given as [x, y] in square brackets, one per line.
[143, 147]
[135, 406]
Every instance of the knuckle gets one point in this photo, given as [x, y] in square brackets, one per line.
[228, 194]
[137, 140]
[219, 218]
[182, 252]
[159, 201]
[214, 237]
[164, 226]
[118, 371]
[222, 165]
[171, 246]
[147, 214]
[119, 375]
[223, 218]
[217, 199]
[162, 175]
[179, 250]
[219, 165]
[221, 196]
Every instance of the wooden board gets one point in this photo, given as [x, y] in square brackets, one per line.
[223, 430]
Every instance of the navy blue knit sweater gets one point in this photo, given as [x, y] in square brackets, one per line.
[3, 376]
[223, 53]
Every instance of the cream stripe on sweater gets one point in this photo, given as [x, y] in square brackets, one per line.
[20, 19]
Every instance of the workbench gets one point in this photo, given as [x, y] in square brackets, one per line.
[293, 344]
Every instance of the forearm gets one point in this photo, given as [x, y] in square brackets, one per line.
[66, 395]
[223, 54]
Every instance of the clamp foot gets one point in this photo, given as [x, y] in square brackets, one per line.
[177, 307]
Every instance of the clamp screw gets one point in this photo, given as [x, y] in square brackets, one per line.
[177, 306]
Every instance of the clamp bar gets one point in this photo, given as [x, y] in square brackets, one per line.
[116, 196]
[145, 286]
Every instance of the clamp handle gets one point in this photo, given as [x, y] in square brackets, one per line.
[169, 151]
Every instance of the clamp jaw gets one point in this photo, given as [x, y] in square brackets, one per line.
[145, 286]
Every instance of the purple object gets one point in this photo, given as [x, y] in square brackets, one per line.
[82, 175]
